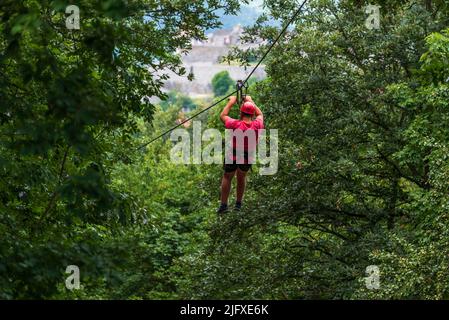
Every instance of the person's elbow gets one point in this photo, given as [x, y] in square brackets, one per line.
[223, 117]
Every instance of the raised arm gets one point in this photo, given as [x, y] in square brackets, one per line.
[224, 114]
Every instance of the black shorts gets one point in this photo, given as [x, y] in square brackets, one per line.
[231, 167]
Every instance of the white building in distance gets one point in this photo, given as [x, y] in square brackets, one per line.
[203, 61]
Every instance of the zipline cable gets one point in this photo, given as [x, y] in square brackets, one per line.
[180, 124]
[293, 18]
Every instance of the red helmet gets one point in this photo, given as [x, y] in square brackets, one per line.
[248, 108]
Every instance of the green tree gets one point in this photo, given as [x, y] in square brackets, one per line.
[357, 174]
[362, 180]
[414, 264]
[70, 106]
[179, 100]
[221, 83]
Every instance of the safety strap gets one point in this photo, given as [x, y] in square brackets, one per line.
[242, 90]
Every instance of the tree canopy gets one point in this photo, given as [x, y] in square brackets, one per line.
[221, 83]
[363, 155]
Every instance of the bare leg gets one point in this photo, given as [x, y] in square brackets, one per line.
[226, 183]
[241, 182]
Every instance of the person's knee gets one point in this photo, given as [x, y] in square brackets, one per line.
[241, 175]
[229, 175]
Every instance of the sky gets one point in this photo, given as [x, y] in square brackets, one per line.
[248, 14]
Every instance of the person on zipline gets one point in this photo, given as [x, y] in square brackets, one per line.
[235, 163]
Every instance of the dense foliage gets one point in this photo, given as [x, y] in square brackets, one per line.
[177, 100]
[70, 105]
[221, 83]
[363, 156]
